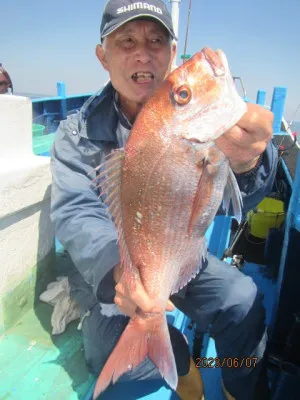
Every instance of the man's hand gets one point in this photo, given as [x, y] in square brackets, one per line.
[128, 300]
[247, 140]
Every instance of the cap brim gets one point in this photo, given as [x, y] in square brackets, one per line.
[151, 16]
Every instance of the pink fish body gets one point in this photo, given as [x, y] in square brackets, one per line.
[163, 191]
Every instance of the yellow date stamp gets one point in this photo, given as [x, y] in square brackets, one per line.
[229, 362]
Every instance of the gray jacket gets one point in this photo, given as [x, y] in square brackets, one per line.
[82, 223]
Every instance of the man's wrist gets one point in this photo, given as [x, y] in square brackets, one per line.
[247, 167]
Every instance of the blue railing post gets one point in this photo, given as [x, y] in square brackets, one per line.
[261, 97]
[277, 107]
[61, 92]
[295, 200]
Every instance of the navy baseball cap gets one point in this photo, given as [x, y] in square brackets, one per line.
[118, 12]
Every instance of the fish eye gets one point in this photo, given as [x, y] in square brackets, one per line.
[182, 95]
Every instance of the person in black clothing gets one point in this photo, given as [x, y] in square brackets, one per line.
[6, 85]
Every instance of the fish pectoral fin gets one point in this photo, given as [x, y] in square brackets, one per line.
[232, 193]
[201, 198]
[208, 197]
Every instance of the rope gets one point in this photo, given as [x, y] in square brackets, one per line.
[187, 31]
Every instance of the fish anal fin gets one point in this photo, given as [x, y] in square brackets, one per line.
[132, 276]
[190, 270]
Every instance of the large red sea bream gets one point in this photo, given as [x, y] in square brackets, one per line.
[163, 191]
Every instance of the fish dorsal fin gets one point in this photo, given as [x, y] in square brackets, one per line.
[232, 193]
[109, 180]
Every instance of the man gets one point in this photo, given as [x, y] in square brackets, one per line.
[5, 81]
[137, 50]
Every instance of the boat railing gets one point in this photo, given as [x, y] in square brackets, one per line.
[49, 111]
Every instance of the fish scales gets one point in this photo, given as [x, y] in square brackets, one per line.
[163, 190]
[171, 192]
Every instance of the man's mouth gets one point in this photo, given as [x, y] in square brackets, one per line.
[142, 77]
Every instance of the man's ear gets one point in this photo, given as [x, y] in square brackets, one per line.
[100, 53]
[173, 51]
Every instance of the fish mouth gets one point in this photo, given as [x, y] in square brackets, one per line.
[142, 77]
[216, 61]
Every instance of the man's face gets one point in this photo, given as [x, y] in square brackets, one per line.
[138, 56]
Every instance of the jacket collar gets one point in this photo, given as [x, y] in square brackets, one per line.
[98, 117]
[122, 117]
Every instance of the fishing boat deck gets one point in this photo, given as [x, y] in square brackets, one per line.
[37, 365]
[34, 364]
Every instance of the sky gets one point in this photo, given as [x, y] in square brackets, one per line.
[45, 42]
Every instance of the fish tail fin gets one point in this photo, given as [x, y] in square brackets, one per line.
[161, 353]
[136, 343]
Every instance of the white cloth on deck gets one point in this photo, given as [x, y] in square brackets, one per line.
[66, 309]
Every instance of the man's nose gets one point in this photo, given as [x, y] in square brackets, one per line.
[143, 53]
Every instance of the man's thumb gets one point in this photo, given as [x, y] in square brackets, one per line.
[170, 306]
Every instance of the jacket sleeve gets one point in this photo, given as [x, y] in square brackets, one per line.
[258, 183]
[82, 223]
